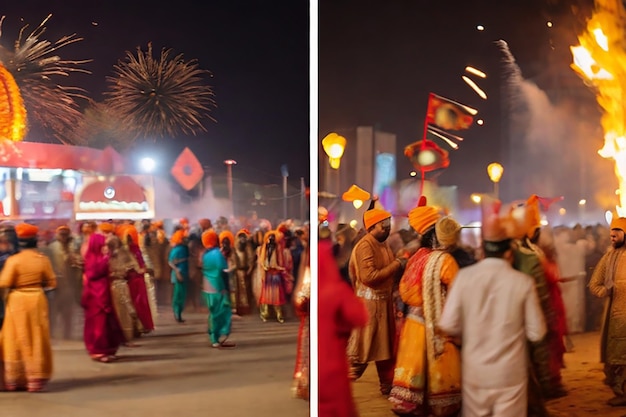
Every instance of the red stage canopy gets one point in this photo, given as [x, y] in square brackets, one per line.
[54, 156]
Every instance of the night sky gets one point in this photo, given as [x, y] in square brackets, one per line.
[257, 52]
[379, 60]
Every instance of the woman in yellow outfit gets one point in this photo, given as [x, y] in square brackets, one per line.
[427, 376]
[25, 341]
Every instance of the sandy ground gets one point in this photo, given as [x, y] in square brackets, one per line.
[587, 395]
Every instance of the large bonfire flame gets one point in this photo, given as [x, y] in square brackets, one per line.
[601, 61]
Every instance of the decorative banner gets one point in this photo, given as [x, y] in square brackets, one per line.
[187, 170]
[426, 156]
[123, 197]
[448, 114]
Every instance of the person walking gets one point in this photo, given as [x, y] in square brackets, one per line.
[102, 332]
[216, 291]
[492, 311]
[373, 269]
[25, 345]
[609, 281]
[179, 262]
[427, 377]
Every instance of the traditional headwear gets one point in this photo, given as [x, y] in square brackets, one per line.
[373, 216]
[494, 231]
[244, 231]
[448, 231]
[125, 230]
[106, 227]
[26, 231]
[63, 228]
[177, 237]
[227, 234]
[209, 239]
[158, 224]
[533, 216]
[184, 221]
[205, 224]
[423, 217]
[619, 223]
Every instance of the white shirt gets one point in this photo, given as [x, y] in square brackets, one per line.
[494, 309]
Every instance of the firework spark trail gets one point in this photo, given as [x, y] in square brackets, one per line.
[512, 78]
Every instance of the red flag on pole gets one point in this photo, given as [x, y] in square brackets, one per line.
[448, 114]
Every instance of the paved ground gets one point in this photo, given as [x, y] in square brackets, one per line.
[173, 373]
[582, 377]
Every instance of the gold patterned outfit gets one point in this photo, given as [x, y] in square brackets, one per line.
[120, 263]
[609, 281]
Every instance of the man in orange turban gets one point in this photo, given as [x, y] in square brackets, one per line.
[26, 330]
[373, 269]
[178, 260]
[216, 291]
[607, 282]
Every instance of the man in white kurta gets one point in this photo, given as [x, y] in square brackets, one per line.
[493, 310]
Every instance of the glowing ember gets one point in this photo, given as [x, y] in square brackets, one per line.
[600, 61]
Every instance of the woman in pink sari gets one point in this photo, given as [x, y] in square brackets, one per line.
[102, 333]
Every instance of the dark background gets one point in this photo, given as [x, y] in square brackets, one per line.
[379, 60]
[257, 52]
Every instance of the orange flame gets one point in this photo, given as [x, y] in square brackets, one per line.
[600, 60]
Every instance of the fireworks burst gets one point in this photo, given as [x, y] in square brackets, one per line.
[160, 96]
[34, 64]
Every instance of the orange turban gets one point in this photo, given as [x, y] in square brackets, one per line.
[158, 224]
[422, 218]
[209, 239]
[373, 216]
[106, 227]
[227, 234]
[245, 232]
[26, 231]
[125, 230]
[619, 223]
[533, 216]
[178, 237]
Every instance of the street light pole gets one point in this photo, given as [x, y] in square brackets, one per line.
[285, 173]
[229, 182]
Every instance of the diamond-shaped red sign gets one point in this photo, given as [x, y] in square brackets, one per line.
[187, 170]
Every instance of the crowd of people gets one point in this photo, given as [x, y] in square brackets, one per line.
[455, 329]
[118, 273]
